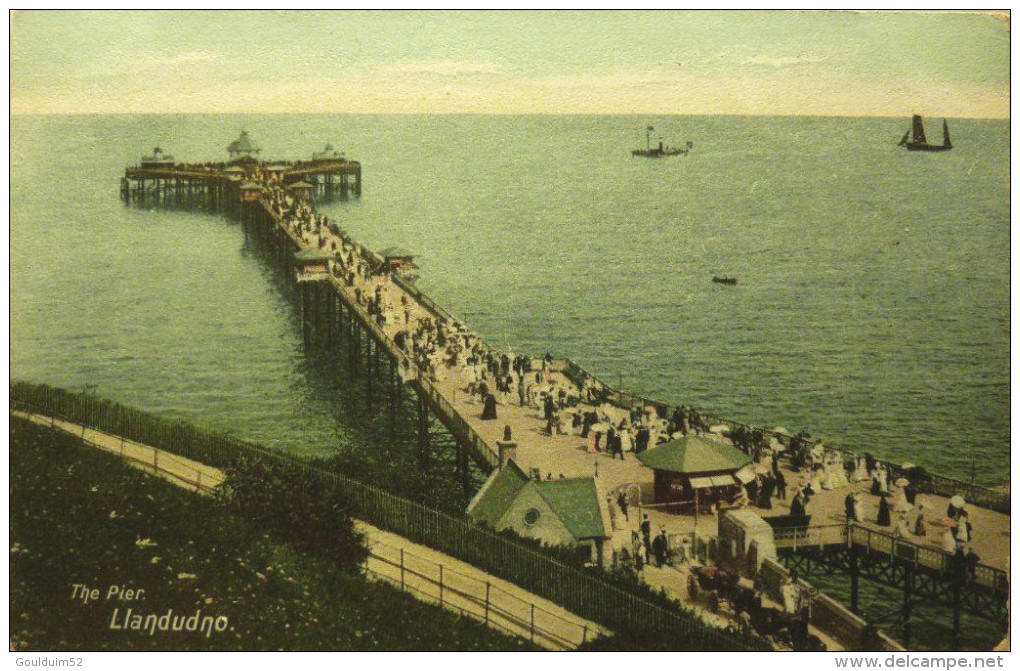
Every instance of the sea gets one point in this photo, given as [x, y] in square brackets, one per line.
[871, 310]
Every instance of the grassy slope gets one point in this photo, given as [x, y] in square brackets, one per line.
[76, 517]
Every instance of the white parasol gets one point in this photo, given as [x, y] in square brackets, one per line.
[958, 501]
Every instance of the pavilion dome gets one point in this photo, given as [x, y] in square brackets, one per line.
[242, 145]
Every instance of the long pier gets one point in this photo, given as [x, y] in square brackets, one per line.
[349, 296]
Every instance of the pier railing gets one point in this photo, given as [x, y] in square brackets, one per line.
[585, 593]
[904, 550]
[975, 494]
[456, 423]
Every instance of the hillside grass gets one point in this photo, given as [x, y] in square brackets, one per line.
[79, 515]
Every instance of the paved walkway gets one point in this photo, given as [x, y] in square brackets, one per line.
[458, 586]
[183, 472]
[427, 574]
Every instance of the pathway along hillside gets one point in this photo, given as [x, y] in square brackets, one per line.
[427, 574]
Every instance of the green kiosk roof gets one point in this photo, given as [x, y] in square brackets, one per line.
[694, 454]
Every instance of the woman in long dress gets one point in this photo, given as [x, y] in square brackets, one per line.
[627, 439]
[862, 469]
[962, 530]
[902, 527]
[816, 482]
[883, 480]
[839, 471]
[860, 508]
[830, 478]
[489, 410]
[921, 523]
[948, 542]
[883, 512]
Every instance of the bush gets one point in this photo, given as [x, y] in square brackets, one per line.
[304, 511]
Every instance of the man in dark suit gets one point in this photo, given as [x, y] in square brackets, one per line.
[646, 534]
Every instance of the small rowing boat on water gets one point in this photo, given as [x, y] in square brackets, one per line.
[724, 280]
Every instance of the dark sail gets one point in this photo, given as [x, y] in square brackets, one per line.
[919, 130]
[919, 142]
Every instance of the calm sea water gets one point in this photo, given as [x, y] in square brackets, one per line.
[872, 309]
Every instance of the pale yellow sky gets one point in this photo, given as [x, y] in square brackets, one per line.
[821, 63]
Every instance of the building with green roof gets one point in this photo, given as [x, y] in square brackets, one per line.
[694, 467]
[557, 512]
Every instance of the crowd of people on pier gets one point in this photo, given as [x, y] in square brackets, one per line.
[438, 348]
[871, 495]
[786, 470]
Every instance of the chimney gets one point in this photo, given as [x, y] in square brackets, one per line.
[507, 447]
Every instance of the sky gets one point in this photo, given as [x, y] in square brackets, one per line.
[767, 62]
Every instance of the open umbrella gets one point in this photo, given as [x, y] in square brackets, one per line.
[958, 501]
[901, 482]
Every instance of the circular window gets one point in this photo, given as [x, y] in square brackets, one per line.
[531, 517]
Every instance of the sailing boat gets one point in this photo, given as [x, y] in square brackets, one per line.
[920, 143]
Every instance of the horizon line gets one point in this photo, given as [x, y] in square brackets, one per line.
[511, 114]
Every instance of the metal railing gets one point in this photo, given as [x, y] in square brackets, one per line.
[479, 599]
[161, 463]
[817, 536]
[870, 540]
